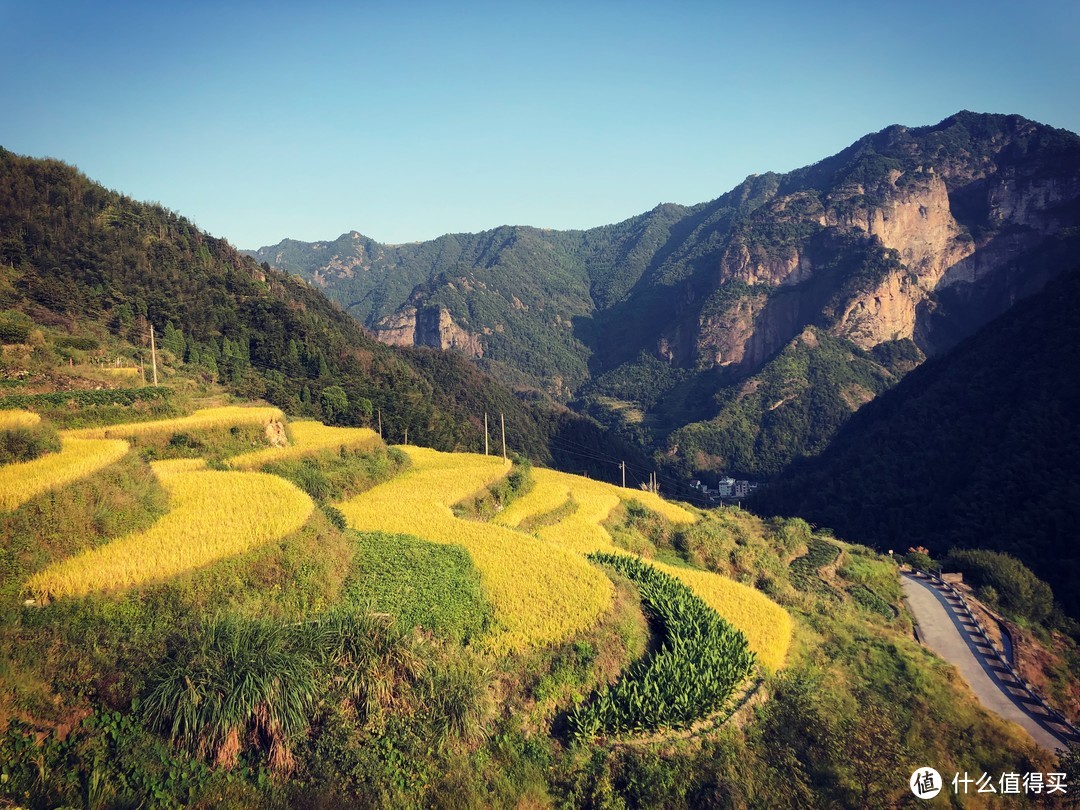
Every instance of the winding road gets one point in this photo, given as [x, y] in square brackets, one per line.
[945, 628]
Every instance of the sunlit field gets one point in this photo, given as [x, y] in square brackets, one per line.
[18, 419]
[225, 416]
[540, 594]
[77, 459]
[767, 626]
[212, 515]
[309, 438]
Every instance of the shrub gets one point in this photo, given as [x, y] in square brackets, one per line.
[1020, 592]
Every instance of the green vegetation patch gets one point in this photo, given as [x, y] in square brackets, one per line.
[866, 598]
[701, 662]
[338, 475]
[535, 522]
[115, 396]
[1018, 591]
[423, 584]
[27, 443]
[804, 569]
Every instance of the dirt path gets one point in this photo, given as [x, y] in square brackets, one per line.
[948, 632]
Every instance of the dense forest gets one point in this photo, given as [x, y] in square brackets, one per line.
[978, 448]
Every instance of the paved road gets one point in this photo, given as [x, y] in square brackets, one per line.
[946, 633]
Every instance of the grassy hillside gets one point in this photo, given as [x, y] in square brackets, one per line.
[319, 665]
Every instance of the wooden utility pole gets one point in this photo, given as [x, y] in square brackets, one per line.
[485, 434]
[153, 352]
[502, 421]
[622, 466]
[406, 437]
[380, 421]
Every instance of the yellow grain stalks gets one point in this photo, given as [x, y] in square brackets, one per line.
[225, 416]
[650, 500]
[547, 494]
[120, 371]
[77, 459]
[309, 438]
[213, 515]
[767, 625]
[540, 594]
[18, 419]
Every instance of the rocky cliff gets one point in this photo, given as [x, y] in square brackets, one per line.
[427, 326]
[917, 235]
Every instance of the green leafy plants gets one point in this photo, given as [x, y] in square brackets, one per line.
[701, 662]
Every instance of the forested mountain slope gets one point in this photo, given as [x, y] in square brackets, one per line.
[977, 449]
[896, 248]
[74, 254]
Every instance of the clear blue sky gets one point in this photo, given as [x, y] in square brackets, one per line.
[407, 120]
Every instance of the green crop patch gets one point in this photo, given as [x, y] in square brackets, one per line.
[701, 661]
[423, 584]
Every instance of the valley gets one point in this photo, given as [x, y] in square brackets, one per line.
[819, 288]
[253, 557]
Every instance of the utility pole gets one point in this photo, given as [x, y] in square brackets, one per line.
[406, 436]
[380, 422]
[622, 466]
[485, 434]
[502, 421]
[153, 352]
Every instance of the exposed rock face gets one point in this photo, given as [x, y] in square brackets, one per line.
[427, 326]
[919, 234]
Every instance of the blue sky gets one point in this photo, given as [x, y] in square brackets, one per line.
[261, 121]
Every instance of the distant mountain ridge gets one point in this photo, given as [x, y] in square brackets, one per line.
[665, 325]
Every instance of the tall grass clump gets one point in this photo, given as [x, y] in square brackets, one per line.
[24, 437]
[241, 685]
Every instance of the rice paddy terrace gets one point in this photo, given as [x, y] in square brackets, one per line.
[229, 590]
[541, 587]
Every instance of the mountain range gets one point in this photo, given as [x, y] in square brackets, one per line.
[737, 335]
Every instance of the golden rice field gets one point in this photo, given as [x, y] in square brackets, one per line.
[767, 625]
[541, 594]
[309, 438]
[18, 419]
[225, 416]
[547, 494]
[77, 459]
[120, 371]
[650, 500]
[212, 515]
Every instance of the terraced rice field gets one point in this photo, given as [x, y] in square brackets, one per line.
[309, 438]
[541, 594]
[18, 419]
[767, 626]
[77, 459]
[213, 515]
[225, 416]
